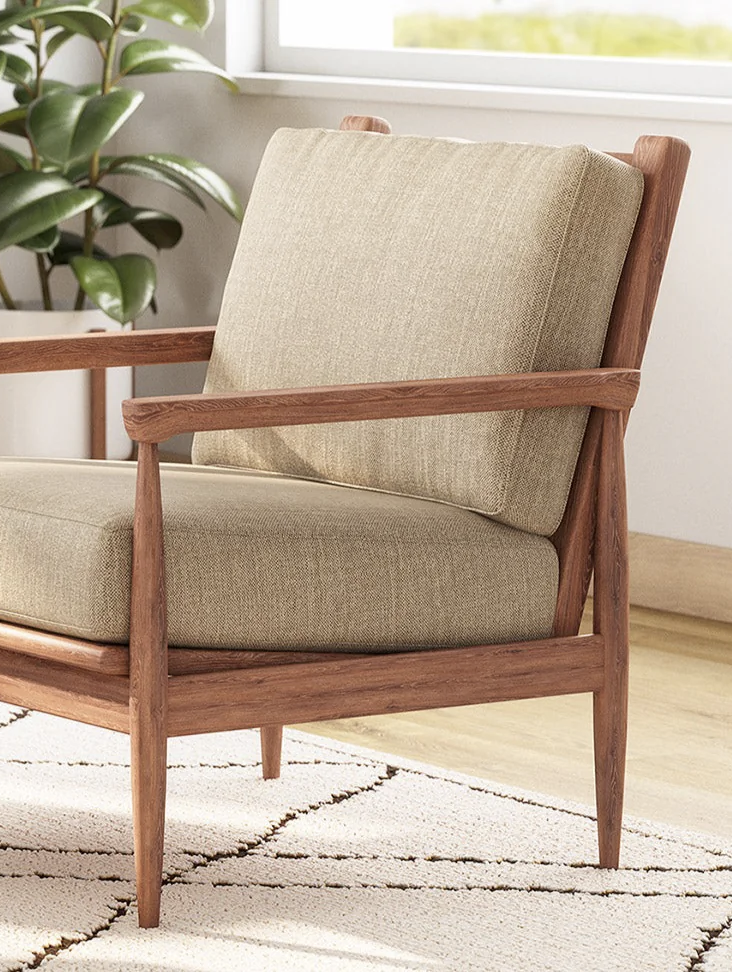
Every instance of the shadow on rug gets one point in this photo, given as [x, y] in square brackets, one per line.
[352, 862]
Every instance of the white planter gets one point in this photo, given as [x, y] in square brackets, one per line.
[48, 414]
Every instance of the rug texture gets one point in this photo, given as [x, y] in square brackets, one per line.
[351, 862]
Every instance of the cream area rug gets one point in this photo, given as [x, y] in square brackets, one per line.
[352, 862]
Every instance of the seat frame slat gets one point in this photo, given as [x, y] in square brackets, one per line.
[296, 688]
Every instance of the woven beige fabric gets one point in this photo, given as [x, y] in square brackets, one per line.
[366, 257]
[259, 561]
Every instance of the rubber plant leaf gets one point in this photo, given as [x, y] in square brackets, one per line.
[24, 97]
[71, 245]
[13, 121]
[147, 57]
[192, 14]
[132, 24]
[147, 169]
[66, 127]
[57, 41]
[16, 69]
[155, 226]
[94, 23]
[42, 243]
[123, 287]
[12, 161]
[31, 203]
[191, 172]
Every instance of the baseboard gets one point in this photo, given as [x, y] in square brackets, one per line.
[682, 577]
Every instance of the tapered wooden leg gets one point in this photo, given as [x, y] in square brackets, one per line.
[611, 619]
[148, 687]
[271, 741]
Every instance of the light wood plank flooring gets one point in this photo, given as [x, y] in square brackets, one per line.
[680, 738]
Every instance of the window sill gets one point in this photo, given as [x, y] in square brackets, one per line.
[497, 97]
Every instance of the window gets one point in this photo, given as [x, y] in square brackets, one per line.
[670, 47]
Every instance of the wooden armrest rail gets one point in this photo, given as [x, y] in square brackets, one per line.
[153, 419]
[99, 350]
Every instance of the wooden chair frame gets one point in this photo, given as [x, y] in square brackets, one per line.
[152, 692]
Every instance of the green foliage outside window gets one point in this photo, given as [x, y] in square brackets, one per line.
[593, 34]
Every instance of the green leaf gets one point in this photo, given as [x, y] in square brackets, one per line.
[24, 97]
[32, 202]
[16, 69]
[122, 287]
[42, 243]
[89, 21]
[192, 14]
[66, 127]
[155, 226]
[71, 245]
[189, 171]
[145, 168]
[149, 57]
[12, 161]
[82, 24]
[132, 24]
[13, 121]
[57, 41]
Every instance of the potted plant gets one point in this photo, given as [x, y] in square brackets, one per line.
[59, 184]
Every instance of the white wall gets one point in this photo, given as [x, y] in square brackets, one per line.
[679, 456]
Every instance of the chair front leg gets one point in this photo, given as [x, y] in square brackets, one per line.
[611, 619]
[148, 687]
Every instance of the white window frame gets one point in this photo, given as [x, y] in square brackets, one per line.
[648, 76]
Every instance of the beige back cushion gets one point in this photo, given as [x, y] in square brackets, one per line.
[366, 257]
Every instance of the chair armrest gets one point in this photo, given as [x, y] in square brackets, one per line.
[154, 419]
[99, 350]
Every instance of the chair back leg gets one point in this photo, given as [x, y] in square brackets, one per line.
[271, 741]
[611, 620]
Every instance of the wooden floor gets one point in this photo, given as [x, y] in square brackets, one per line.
[680, 739]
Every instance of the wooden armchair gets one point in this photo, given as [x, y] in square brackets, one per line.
[460, 576]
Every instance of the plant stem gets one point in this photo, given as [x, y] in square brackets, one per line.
[5, 294]
[109, 58]
[37, 93]
[45, 289]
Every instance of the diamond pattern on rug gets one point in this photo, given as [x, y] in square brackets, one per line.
[351, 862]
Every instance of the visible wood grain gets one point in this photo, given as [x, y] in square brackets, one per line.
[148, 686]
[98, 413]
[157, 418]
[194, 660]
[382, 684]
[60, 690]
[663, 162]
[103, 658]
[611, 620]
[271, 741]
[106, 349]
[575, 538]
[365, 123]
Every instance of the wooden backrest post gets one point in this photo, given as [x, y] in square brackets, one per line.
[663, 162]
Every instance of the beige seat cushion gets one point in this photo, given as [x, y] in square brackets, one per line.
[257, 561]
[365, 257]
